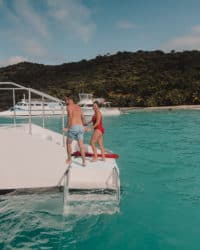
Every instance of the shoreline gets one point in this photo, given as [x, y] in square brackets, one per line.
[182, 107]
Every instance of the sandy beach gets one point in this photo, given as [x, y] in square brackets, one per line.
[183, 107]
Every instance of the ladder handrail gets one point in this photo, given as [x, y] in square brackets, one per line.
[117, 183]
[37, 92]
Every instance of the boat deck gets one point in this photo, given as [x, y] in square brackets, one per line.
[30, 161]
[38, 161]
[96, 175]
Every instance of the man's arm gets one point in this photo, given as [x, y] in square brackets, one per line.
[69, 119]
[83, 119]
[69, 114]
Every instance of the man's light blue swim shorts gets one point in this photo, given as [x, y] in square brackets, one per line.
[75, 132]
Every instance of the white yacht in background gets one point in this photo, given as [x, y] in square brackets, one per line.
[86, 104]
[38, 107]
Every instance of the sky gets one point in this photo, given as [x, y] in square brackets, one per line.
[60, 31]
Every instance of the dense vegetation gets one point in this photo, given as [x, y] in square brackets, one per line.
[126, 78]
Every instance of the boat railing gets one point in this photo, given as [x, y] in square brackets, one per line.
[115, 184]
[85, 96]
[13, 87]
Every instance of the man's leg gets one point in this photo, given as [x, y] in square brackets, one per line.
[69, 151]
[82, 150]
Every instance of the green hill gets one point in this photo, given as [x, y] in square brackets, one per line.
[127, 79]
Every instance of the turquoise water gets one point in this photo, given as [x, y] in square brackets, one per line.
[160, 201]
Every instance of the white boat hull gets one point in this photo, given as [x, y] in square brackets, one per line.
[104, 111]
[26, 171]
[25, 113]
[86, 104]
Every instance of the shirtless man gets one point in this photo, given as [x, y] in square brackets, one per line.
[74, 129]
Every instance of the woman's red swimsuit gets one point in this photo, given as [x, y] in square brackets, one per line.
[100, 125]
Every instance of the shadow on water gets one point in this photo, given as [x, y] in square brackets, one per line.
[37, 221]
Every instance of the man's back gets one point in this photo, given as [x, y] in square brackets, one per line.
[75, 130]
[75, 115]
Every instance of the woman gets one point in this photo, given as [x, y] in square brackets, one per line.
[97, 136]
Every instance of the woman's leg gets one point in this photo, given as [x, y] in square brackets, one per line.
[93, 141]
[100, 142]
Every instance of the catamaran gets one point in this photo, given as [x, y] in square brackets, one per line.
[38, 162]
[37, 106]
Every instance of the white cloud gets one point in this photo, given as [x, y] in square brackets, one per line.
[183, 43]
[196, 29]
[29, 17]
[34, 48]
[25, 44]
[126, 25]
[12, 60]
[26, 30]
[30, 30]
[189, 41]
[73, 17]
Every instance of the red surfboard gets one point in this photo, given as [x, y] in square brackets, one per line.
[87, 154]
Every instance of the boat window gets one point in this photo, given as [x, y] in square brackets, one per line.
[106, 105]
[38, 104]
[45, 104]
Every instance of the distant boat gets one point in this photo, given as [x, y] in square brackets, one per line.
[86, 103]
[37, 108]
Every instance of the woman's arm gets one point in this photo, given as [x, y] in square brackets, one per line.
[87, 123]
